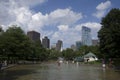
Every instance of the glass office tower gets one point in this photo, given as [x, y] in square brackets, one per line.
[86, 36]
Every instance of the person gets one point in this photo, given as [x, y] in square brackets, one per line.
[103, 63]
[5, 63]
[110, 63]
[58, 63]
[87, 60]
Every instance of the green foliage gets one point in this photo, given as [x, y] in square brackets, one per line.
[1, 29]
[109, 34]
[86, 49]
[14, 43]
[54, 54]
[69, 54]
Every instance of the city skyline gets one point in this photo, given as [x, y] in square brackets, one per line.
[58, 19]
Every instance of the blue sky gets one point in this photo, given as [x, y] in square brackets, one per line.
[57, 19]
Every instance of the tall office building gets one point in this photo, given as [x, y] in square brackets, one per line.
[86, 36]
[46, 42]
[59, 45]
[34, 36]
[78, 44]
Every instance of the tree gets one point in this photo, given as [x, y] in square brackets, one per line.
[1, 31]
[68, 54]
[39, 53]
[109, 34]
[54, 54]
[95, 50]
[86, 49]
[14, 43]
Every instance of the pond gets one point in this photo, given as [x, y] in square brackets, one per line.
[64, 71]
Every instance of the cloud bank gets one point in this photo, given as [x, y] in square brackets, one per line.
[64, 20]
[101, 9]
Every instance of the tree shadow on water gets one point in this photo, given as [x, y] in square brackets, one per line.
[15, 74]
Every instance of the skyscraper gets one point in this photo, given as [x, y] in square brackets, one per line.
[78, 44]
[46, 42]
[34, 36]
[59, 45]
[86, 36]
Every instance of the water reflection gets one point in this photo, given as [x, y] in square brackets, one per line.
[51, 71]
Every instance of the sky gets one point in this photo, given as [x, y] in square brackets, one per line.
[56, 19]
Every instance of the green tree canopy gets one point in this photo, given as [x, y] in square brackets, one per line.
[69, 54]
[0, 29]
[86, 49]
[109, 34]
[54, 54]
[14, 42]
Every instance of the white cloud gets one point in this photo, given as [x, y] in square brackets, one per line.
[23, 15]
[101, 9]
[93, 25]
[64, 16]
[99, 14]
[63, 27]
[18, 12]
[27, 3]
[104, 6]
[37, 22]
[8, 6]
